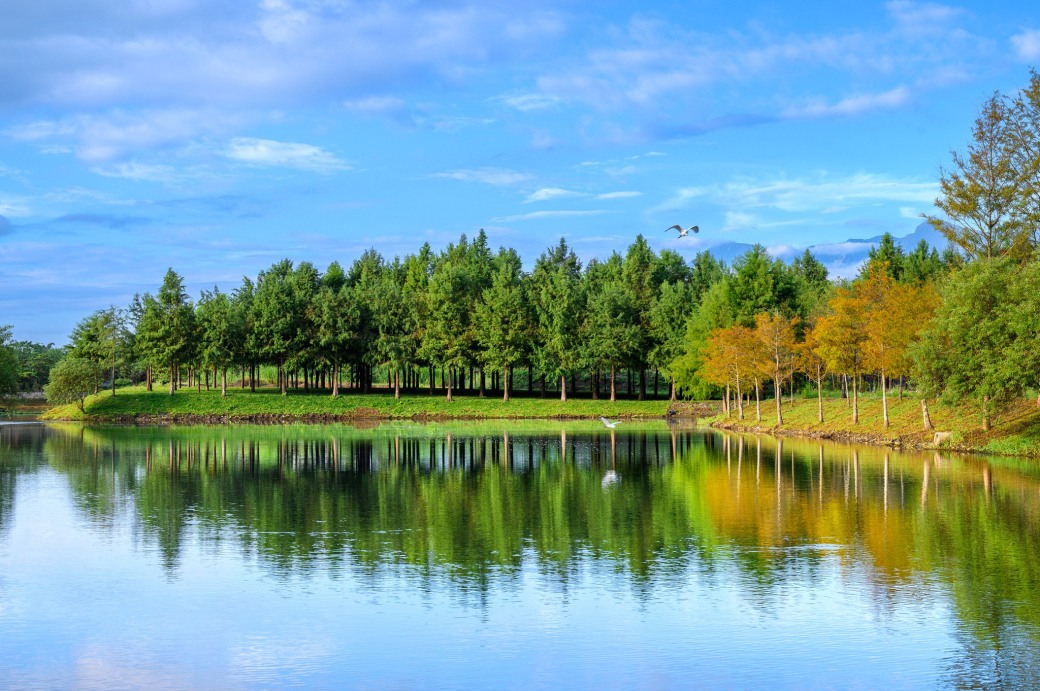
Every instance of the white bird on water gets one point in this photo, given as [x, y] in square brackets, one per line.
[683, 232]
[608, 423]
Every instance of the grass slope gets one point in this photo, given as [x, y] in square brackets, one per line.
[1015, 428]
[136, 403]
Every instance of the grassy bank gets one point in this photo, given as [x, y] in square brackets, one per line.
[1015, 428]
[136, 404]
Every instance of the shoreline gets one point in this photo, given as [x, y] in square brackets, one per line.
[191, 407]
[1015, 429]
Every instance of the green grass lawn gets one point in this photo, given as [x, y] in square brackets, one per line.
[1015, 426]
[135, 402]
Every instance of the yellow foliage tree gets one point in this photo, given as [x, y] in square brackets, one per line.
[775, 336]
[842, 339]
[812, 365]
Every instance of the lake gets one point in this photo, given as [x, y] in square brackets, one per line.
[517, 555]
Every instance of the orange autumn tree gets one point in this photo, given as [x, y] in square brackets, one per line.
[725, 361]
[894, 316]
[842, 339]
[775, 336]
[812, 365]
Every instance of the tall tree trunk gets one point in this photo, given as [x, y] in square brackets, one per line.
[505, 383]
[563, 387]
[884, 398]
[819, 400]
[223, 382]
[595, 384]
[482, 382]
[855, 399]
[779, 399]
[613, 383]
[281, 375]
[740, 401]
[148, 379]
[672, 387]
[657, 378]
[725, 401]
[642, 383]
[926, 418]
[397, 385]
[173, 386]
[758, 402]
[449, 382]
[335, 379]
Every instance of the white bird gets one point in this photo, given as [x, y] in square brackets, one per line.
[608, 423]
[683, 232]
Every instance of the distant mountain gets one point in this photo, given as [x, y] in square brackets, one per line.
[842, 259]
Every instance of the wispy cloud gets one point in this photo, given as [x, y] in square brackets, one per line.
[851, 106]
[487, 176]
[550, 193]
[529, 101]
[376, 105]
[1027, 45]
[554, 193]
[922, 18]
[267, 152]
[100, 137]
[113, 221]
[819, 194]
[539, 215]
[141, 172]
[623, 194]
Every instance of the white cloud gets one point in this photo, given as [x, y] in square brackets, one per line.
[922, 18]
[624, 194]
[680, 74]
[851, 106]
[13, 206]
[266, 152]
[538, 215]
[739, 220]
[376, 105]
[1027, 45]
[488, 176]
[271, 53]
[140, 172]
[549, 193]
[108, 136]
[528, 102]
[818, 194]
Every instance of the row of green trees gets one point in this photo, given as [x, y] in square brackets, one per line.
[462, 311]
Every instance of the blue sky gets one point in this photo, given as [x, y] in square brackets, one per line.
[219, 137]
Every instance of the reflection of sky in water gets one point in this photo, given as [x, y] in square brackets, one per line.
[88, 604]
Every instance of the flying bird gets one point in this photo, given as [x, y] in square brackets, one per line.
[683, 232]
[608, 423]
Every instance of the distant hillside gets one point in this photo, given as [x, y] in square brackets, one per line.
[840, 258]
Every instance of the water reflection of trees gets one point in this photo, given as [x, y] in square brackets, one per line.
[474, 505]
[20, 451]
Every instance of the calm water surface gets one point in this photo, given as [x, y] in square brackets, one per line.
[527, 555]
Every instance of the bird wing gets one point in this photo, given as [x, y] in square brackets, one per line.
[605, 421]
[676, 227]
[695, 229]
